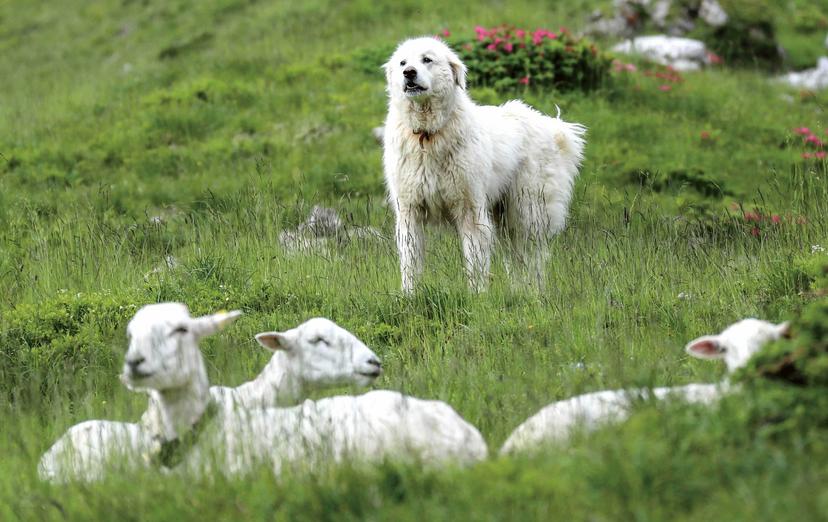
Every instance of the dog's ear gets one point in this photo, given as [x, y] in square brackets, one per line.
[458, 70]
[387, 68]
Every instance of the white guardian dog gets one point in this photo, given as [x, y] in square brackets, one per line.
[477, 167]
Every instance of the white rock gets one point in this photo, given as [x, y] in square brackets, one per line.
[813, 79]
[712, 13]
[683, 54]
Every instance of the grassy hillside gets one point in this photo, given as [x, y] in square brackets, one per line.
[134, 130]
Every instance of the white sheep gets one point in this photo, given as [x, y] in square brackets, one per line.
[557, 421]
[163, 356]
[316, 354]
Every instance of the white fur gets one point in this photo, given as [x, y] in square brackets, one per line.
[315, 354]
[164, 359]
[557, 421]
[374, 426]
[447, 158]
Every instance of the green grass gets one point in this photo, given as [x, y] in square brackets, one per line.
[234, 117]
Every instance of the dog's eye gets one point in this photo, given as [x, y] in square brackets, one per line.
[402, 63]
[179, 330]
[317, 340]
[426, 59]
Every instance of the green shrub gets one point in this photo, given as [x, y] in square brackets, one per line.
[70, 332]
[802, 359]
[507, 58]
[748, 38]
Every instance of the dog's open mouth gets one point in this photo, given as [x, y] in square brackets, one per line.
[137, 375]
[413, 89]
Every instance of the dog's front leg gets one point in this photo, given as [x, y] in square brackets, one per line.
[477, 236]
[410, 246]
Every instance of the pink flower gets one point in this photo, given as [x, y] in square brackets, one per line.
[551, 36]
[813, 140]
[520, 33]
[705, 135]
[803, 131]
[776, 219]
[755, 232]
[820, 154]
[446, 33]
[492, 47]
[753, 216]
[508, 47]
[524, 80]
[630, 67]
[807, 155]
[665, 88]
[714, 58]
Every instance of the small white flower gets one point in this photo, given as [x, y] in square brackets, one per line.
[685, 296]
[817, 249]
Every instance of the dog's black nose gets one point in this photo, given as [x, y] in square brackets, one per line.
[373, 361]
[410, 73]
[135, 363]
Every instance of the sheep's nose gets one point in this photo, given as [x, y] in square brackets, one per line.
[410, 73]
[135, 363]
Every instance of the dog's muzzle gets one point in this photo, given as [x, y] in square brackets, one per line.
[412, 88]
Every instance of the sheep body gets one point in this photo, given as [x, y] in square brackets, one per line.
[376, 425]
[556, 422]
[87, 450]
[368, 428]
[297, 365]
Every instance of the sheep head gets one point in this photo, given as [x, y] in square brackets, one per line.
[738, 342]
[321, 353]
[163, 345]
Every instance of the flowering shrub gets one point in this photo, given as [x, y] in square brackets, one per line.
[756, 220]
[506, 58]
[813, 144]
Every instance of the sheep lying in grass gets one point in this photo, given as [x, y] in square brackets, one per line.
[316, 354]
[556, 422]
[164, 357]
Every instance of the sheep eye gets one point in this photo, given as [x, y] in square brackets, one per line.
[426, 59]
[179, 330]
[402, 63]
[317, 340]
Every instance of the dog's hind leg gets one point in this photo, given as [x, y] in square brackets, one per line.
[477, 236]
[529, 232]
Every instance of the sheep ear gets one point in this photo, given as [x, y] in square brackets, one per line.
[458, 69]
[784, 330]
[273, 341]
[705, 347]
[209, 324]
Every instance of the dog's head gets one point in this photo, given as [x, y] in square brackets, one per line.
[424, 67]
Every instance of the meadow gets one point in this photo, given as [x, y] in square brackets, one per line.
[133, 130]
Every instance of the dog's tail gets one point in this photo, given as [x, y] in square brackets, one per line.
[570, 139]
